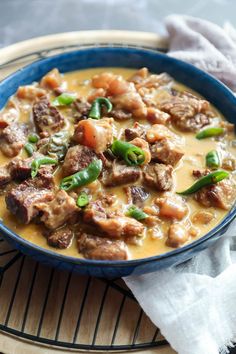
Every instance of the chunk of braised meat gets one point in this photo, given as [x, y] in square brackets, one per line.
[21, 201]
[120, 114]
[137, 131]
[166, 152]
[96, 134]
[82, 109]
[188, 112]
[139, 76]
[203, 217]
[30, 92]
[10, 114]
[111, 222]
[77, 158]
[57, 211]
[195, 123]
[103, 80]
[60, 238]
[220, 195]
[155, 116]
[13, 138]
[172, 206]
[51, 80]
[47, 118]
[136, 194]
[95, 94]
[120, 174]
[159, 132]
[94, 247]
[151, 81]
[130, 102]
[5, 176]
[124, 96]
[229, 162]
[121, 226]
[20, 169]
[158, 176]
[229, 127]
[177, 235]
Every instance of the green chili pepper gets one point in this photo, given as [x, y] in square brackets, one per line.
[33, 138]
[136, 213]
[82, 200]
[83, 177]
[204, 181]
[65, 99]
[208, 132]
[39, 162]
[132, 154]
[95, 111]
[213, 159]
[29, 148]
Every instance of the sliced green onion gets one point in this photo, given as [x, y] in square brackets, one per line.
[213, 159]
[207, 180]
[209, 132]
[136, 213]
[33, 138]
[35, 165]
[29, 148]
[82, 200]
[65, 99]
[95, 111]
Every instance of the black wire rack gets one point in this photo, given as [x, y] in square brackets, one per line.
[58, 308]
[105, 302]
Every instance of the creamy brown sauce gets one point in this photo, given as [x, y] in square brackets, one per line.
[194, 158]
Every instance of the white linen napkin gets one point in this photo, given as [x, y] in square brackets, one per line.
[194, 304]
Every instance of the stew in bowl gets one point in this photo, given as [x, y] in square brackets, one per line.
[114, 163]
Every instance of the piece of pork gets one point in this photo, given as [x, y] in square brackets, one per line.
[47, 118]
[112, 224]
[77, 158]
[58, 211]
[220, 195]
[21, 201]
[136, 195]
[96, 134]
[52, 80]
[166, 152]
[158, 176]
[172, 206]
[188, 112]
[101, 248]
[120, 174]
[177, 235]
[13, 138]
[60, 238]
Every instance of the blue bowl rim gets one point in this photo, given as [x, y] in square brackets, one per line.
[139, 261]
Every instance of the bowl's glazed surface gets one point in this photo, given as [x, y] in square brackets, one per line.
[208, 87]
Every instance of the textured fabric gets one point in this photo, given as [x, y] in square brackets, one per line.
[194, 304]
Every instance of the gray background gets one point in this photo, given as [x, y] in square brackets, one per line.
[23, 19]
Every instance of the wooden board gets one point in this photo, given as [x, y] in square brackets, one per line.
[41, 306]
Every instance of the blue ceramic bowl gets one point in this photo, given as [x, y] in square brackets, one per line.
[207, 86]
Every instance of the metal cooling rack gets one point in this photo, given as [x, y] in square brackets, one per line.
[17, 306]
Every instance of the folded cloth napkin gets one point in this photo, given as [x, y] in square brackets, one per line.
[194, 304]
